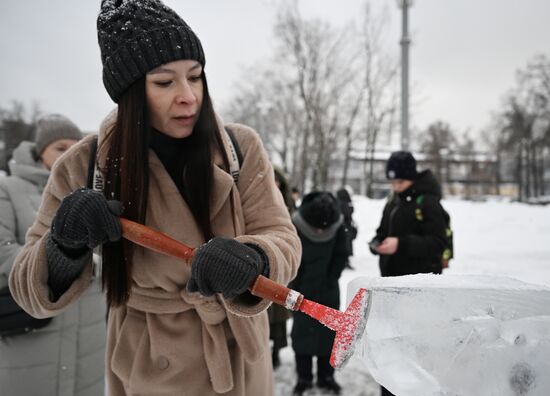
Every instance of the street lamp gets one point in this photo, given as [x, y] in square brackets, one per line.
[405, 42]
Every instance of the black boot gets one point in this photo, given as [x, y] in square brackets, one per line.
[302, 386]
[329, 384]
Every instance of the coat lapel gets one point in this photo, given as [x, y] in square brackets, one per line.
[222, 186]
[167, 210]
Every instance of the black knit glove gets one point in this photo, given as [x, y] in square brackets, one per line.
[64, 266]
[226, 266]
[86, 219]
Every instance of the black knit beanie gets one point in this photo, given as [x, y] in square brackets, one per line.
[136, 36]
[320, 209]
[401, 165]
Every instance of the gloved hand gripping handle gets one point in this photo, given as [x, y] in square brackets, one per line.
[161, 243]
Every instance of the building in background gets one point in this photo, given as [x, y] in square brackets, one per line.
[475, 175]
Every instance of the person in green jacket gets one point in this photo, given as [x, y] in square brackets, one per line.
[321, 229]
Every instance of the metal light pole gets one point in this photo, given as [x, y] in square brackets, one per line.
[405, 41]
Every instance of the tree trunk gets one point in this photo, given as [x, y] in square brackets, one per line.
[348, 134]
[534, 169]
[519, 176]
[497, 172]
[527, 167]
[365, 167]
[541, 172]
[370, 180]
[346, 157]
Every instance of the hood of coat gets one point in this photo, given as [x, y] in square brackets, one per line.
[426, 183]
[24, 165]
[317, 235]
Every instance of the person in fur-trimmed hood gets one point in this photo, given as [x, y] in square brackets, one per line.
[45, 357]
[166, 162]
[321, 228]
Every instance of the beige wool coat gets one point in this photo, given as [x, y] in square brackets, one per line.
[167, 341]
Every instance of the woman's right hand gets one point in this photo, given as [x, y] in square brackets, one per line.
[86, 218]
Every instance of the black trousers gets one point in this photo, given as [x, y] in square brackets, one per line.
[304, 367]
[385, 392]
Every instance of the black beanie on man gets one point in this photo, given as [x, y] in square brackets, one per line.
[136, 36]
[401, 165]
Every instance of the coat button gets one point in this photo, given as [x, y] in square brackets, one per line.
[162, 363]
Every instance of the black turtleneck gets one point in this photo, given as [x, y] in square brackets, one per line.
[171, 153]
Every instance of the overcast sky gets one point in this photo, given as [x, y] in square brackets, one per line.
[463, 57]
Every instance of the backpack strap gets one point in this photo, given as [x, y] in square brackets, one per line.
[95, 182]
[235, 155]
[91, 163]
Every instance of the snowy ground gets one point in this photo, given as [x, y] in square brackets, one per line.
[500, 238]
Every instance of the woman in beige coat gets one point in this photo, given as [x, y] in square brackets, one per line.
[165, 160]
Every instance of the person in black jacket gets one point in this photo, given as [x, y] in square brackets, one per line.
[278, 314]
[411, 236]
[346, 207]
[322, 232]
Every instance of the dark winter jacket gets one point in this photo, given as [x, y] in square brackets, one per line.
[420, 228]
[346, 207]
[321, 266]
[277, 314]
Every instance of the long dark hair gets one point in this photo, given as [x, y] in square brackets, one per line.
[126, 174]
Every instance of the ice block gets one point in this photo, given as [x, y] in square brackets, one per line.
[456, 335]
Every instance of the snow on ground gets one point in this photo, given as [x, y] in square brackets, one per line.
[499, 238]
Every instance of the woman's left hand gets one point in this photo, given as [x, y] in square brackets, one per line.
[226, 266]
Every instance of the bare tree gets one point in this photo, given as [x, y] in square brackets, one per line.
[466, 150]
[380, 94]
[318, 58]
[311, 103]
[495, 144]
[525, 126]
[16, 124]
[517, 131]
[269, 103]
[534, 93]
[437, 140]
